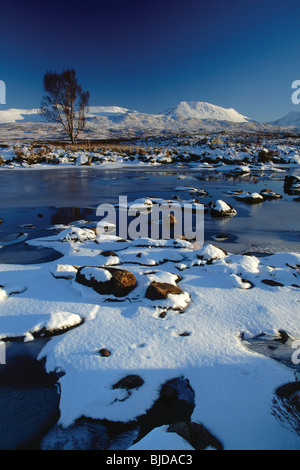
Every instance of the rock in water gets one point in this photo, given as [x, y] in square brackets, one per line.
[269, 194]
[292, 185]
[222, 209]
[196, 434]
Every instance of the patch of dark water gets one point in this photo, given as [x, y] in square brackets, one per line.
[29, 397]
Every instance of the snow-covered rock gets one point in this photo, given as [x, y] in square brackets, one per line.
[222, 209]
[250, 198]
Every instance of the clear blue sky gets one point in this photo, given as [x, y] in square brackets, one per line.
[150, 54]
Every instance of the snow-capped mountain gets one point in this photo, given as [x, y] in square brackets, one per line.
[20, 115]
[290, 119]
[201, 110]
[107, 110]
[34, 115]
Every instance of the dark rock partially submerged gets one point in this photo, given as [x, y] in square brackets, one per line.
[176, 402]
[292, 185]
[196, 434]
[250, 198]
[268, 194]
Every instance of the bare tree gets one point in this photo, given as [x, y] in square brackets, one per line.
[65, 102]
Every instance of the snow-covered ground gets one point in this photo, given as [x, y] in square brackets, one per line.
[223, 298]
[230, 154]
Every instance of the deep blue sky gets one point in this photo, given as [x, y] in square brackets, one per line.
[150, 54]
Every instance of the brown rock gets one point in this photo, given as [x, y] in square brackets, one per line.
[121, 283]
[104, 352]
[269, 194]
[160, 290]
[108, 253]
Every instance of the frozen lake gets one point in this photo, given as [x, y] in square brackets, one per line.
[57, 196]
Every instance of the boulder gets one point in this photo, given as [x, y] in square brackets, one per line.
[196, 434]
[129, 382]
[107, 281]
[176, 402]
[269, 194]
[250, 198]
[160, 290]
[217, 141]
[210, 253]
[292, 185]
[222, 209]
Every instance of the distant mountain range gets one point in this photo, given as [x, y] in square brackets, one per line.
[290, 119]
[110, 121]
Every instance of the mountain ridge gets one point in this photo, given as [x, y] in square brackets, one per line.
[202, 110]
[188, 117]
[184, 110]
[290, 119]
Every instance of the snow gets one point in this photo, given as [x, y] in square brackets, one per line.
[25, 115]
[208, 252]
[200, 110]
[250, 196]
[25, 325]
[3, 294]
[221, 206]
[290, 119]
[233, 386]
[63, 271]
[106, 110]
[160, 439]
[13, 239]
[34, 115]
[76, 234]
[99, 275]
